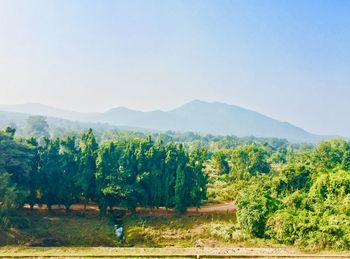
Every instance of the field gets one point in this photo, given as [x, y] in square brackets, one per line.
[154, 228]
[52, 234]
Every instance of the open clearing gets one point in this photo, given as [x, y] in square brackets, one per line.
[149, 233]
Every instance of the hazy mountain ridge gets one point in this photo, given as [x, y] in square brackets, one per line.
[196, 116]
[45, 110]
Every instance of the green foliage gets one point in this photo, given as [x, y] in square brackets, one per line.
[15, 167]
[331, 185]
[51, 184]
[255, 205]
[70, 165]
[330, 154]
[181, 230]
[10, 198]
[87, 169]
[306, 201]
[290, 194]
[126, 172]
[294, 177]
[220, 163]
[247, 161]
[149, 174]
[37, 127]
[58, 229]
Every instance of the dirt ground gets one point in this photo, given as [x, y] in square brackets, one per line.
[166, 252]
[225, 207]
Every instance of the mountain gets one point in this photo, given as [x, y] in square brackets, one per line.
[44, 110]
[208, 118]
[196, 116]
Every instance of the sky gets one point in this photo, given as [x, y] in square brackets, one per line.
[288, 59]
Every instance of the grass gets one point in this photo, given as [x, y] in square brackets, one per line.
[39, 233]
[187, 231]
[44, 229]
[57, 234]
[183, 231]
[34, 228]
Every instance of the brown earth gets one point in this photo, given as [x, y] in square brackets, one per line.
[221, 208]
[219, 252]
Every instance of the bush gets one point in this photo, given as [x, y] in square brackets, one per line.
[334, 184]
[253, 210]
[226, 231]
[291, 225]
[10, 198]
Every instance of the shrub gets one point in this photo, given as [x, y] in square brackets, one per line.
[253, 210]
[291, 225]
[334, 184]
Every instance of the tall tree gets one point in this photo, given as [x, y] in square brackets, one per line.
[182, 187]
[34, 177]
[16, 160]
[169, 177]
[108, 177]
[38, 127]
[87, 178]
[70, 169]
[9, 198]
[51, 180]
[199, 178]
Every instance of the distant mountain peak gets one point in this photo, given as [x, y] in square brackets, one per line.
[198, 116]
[119, 108]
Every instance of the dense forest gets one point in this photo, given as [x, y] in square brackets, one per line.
[291, 194]
[299, 197]
[124, 173]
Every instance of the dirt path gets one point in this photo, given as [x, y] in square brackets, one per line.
[218, 252]
[224, 207]
[221, 208]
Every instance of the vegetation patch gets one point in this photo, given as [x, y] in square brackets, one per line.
[35, 228]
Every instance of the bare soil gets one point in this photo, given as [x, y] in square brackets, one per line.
[220, 208]
[165, 252]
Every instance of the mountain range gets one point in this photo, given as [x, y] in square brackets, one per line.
[196, 116]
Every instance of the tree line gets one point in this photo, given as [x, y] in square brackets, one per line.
[127, 173]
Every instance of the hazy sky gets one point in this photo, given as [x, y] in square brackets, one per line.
[287, 59]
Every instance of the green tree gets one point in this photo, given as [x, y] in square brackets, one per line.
[247, 161]
[199, 178]
[34, 177]
[182, 188]
[169, 177]
[108, 177]
[70, 157]
[51, 181]
[16, 159]
[10, 198]
[38, 127]
[87, 178]
[255, 204]
[330, 154]
[220, 163]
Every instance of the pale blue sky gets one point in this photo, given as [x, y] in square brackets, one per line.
[287, 59]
